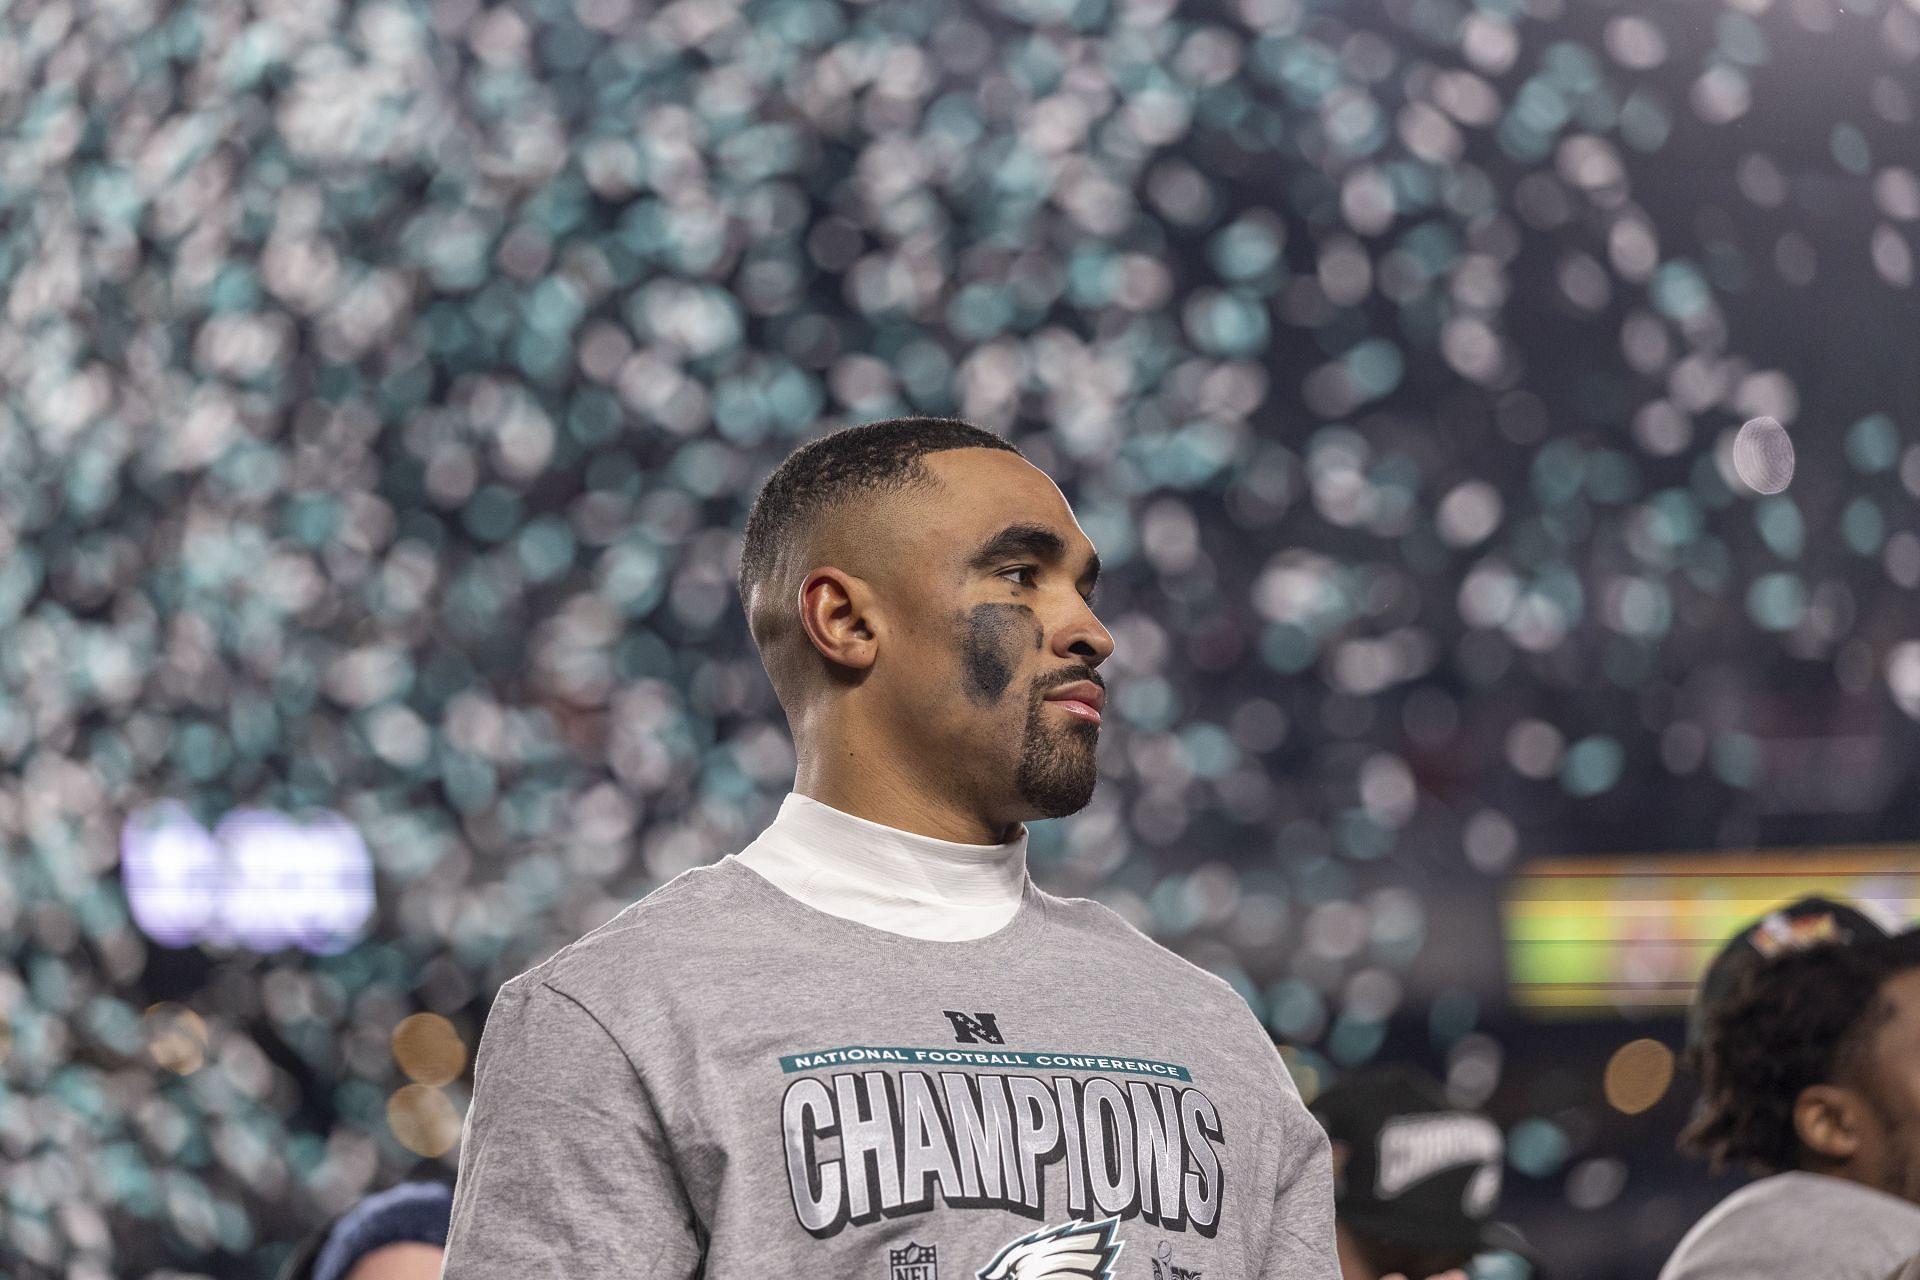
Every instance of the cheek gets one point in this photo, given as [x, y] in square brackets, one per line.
[994, 641]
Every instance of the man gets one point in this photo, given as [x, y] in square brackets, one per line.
[1806, 1041]
[1415, 1182]
[868, 1046]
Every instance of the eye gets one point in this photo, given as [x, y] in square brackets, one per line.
[1020, 573]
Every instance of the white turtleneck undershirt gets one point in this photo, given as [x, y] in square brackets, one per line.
[887, 878]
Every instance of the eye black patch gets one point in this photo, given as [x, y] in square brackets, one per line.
[992, 636]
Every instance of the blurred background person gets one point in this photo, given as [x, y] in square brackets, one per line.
[1416, 1182]
[1807, 1049]
[396, 1234]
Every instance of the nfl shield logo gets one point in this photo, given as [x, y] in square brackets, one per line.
[915, 1262]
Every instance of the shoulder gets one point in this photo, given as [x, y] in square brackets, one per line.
[1722, 1241]
[1200, 1004]
[661, 933]
[1790, 1216]
[1103, 936]
[1762, 1201]
[1813, 1194]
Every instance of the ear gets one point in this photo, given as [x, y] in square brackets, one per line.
[835, 609]
[1828, 1121]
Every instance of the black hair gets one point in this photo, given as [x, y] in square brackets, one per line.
[878, 457]
[1799, 1020]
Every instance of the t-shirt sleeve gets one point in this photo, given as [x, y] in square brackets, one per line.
[1302, 1238]
[1300, 1243]
[565, 1169]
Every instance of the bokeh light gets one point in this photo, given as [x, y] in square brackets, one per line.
[423, 1119]
[428, 1049]
[1763, 455]
[1638, 1075]
[176, 1038]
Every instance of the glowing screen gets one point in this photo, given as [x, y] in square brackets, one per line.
[260, 879]
[1635, 934]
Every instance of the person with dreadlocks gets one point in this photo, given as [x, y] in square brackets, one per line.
[1805, 1038]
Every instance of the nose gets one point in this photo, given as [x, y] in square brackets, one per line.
[1078, 634]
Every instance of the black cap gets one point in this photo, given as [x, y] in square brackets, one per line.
[1796, 927]
[1410, 1168]
[408, 1213]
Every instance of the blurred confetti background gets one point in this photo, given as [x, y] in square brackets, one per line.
[1499, 420]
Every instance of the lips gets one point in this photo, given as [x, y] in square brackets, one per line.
[1082, 699]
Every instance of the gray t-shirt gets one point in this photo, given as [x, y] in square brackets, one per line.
[1797, 1225]
[723, 1082]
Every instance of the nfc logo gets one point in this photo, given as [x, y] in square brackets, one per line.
[981, 1026]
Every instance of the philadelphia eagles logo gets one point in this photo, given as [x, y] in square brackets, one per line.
[1071, 1251]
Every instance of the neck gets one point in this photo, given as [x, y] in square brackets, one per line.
[882, 786]
[1875, 1177]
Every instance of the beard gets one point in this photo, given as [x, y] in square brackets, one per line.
[1057, 770]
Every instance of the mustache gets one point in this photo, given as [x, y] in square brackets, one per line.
[1066, 676]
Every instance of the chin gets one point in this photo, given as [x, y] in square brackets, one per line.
[1067, 805]
[1055, 772]
[1056, 778]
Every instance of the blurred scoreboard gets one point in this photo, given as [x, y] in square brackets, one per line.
[1633, 935]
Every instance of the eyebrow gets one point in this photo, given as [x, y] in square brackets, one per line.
[1035, 541]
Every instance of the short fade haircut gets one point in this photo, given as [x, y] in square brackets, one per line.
[1799, 1020]
[876, 458]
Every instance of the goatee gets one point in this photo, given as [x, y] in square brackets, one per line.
[1057, 769]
